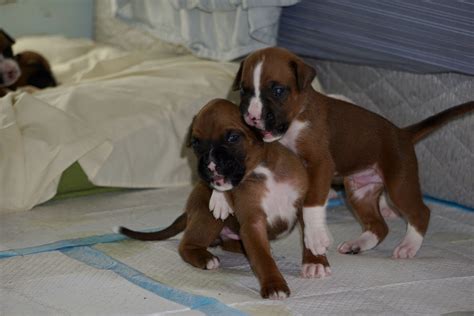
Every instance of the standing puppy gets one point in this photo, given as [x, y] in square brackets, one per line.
[264, 184]
[335, 137]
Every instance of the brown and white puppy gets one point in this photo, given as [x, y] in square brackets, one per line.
[35, 71]
[264, 184]
[9, 69]
[334, 137]
[27, 70]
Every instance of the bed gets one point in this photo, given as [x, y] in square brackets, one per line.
[115, 113]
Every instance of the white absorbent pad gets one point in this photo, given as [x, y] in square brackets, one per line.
[62, 258]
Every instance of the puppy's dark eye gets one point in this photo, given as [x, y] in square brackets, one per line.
[278, 91]
[242, 91]
[232, 137]
[194, 142]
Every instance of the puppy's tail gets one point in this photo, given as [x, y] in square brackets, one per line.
[425, 127]
[174, 229]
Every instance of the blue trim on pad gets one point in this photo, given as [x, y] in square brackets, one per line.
[462, 207]
[63, 244]
[99, 260]
[108, 238]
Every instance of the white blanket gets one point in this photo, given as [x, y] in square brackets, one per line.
[122, 115]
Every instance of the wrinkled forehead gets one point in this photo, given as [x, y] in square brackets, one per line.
[268, 66]
[215, 119]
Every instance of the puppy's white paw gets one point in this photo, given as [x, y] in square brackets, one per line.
[213, 264]
[311, 270]
[366, 241]
[410, 244]
[405, 252]
[218, 205]
[349, 247]
[279, 295]
[317, 240]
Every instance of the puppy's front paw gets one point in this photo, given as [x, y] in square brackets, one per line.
[275, 290]
[312, 270]
[218, 206]
[317, 240]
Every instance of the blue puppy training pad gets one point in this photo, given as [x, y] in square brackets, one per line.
[66, 261]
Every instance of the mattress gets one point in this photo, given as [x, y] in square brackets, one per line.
[446, 157]
[63, 258]
[416, 36]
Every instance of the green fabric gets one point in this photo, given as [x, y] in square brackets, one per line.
[74, 182]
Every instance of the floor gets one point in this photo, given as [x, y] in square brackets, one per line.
[63, 258]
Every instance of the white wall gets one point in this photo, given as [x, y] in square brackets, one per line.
[72, 18]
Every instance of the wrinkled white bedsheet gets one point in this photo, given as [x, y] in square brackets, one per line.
[122, 115]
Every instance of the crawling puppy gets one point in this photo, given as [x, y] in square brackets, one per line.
[9, 69]
[337, 138]
[264, 184]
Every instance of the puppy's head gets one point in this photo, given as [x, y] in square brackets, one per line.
[221, 141]
[9, 69]
[273, 84]
[35, 71]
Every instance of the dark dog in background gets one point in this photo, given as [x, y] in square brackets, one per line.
[27, 69]
[9, 69]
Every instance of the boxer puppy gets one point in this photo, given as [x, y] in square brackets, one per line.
[335, 137]
[35, 71]
[28, 70]
[9, 69]
[264, 184]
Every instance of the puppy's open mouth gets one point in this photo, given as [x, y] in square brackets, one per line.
[219, 183]
[218, 179]
[269, 137]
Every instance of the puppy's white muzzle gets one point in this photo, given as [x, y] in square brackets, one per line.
[9, 71]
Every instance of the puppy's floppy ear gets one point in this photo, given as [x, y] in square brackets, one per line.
[6, 42]
[189, 134]
[238, 77]
[304, 73]
[7, 37]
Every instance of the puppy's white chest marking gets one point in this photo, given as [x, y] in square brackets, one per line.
[291, 136]
[278, 202]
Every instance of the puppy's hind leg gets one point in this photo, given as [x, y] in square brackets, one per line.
[198, 236]
[202, 229]
[363, 191]
[404, 191]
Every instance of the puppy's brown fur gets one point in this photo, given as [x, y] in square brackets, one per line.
[35, 71]
[254, 221]
[335, 137]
